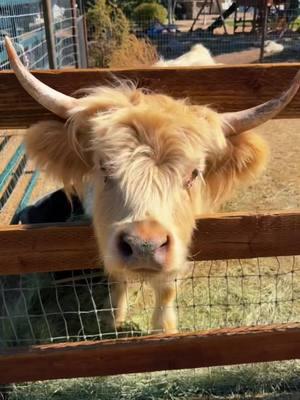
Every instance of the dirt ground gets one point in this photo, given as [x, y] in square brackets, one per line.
[279, 186]
[240, 48]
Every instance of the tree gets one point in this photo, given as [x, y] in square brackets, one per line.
[128, 6]
[146, 13]
[110, 28]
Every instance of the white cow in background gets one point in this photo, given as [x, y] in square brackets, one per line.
[197, 56]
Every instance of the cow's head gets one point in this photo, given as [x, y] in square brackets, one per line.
[151, 163]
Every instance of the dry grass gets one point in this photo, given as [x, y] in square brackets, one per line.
[279, 187]
[252, 382]
[135, 52]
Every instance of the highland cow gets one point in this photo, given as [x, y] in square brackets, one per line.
[145, 165]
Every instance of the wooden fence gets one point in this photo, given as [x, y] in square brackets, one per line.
[25, 249]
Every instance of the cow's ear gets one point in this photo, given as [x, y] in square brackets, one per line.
[59, 155]
[244, 159]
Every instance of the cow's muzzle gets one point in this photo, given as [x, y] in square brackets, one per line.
[144, 246]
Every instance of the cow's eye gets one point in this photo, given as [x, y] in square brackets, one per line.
[104, 172]
[105, 175]
[194, 175]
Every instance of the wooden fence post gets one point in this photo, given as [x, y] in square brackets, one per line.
[50, 38]
[74, 32]
[264, 29]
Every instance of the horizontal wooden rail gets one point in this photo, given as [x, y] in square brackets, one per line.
[226, 88]
[41, 248]
[153, 353]
[12, 132]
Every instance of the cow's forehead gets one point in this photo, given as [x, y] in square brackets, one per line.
[138, 136]
[154, 124]
[141, 127]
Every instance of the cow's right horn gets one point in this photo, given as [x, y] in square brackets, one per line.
[241, 121]
[54, 101]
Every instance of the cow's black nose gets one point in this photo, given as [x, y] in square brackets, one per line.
[131, 246]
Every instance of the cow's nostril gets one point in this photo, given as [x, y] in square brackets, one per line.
[134, 248]
[165, 243]
[124, 247]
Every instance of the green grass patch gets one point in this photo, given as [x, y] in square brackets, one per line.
[263, 380]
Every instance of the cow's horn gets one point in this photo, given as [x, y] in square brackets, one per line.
[241, 121]
[54, 101]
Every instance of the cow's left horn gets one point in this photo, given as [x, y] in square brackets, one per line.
[54, 101]
[241, 121]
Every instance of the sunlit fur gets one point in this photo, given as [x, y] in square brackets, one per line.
[145, 146]
[198, 55]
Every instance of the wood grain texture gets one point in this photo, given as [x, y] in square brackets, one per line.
[9, 151]
[25, 249]
[12, 132]
[226, 88]
[153, 353]
[249, 235]
[10, 183]
[46, 248]
[12, 204]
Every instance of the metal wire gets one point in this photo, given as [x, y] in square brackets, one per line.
[23, 21]
[68, 306]
[238, 40]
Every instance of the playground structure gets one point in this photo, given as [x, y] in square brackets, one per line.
[249, 15]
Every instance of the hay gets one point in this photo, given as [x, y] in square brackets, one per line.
[134, 53]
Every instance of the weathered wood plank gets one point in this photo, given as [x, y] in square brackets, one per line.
[226, 88]
[237, 235]
[10, 207]
[12, 132]
[25, 249]
[68, 247]
[10, 183]
[3, 142]
[42, 186]
[153, 353]
[10, 150]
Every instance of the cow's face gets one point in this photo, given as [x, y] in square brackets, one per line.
[149, 159]
[150, 163]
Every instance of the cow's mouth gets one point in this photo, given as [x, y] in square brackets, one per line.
[145, 270]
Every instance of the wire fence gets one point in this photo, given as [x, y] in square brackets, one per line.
[235, 27]
[76, 305]
[24, 22]
[231, 42]
[72, 306]
[235, 33]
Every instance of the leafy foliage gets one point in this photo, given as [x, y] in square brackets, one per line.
[112, 45]
[147, 12]
[129, 6]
